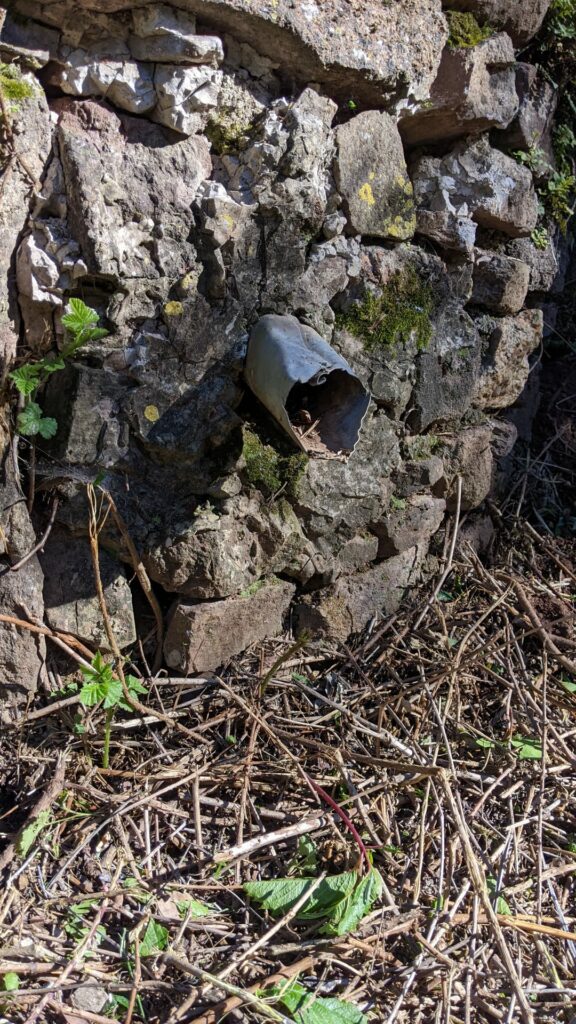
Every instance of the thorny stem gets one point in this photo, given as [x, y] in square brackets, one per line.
[344, 817]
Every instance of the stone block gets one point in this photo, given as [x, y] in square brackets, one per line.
[372, 177]
[184, 94]
[473, 184]
[532, 126]
[520, 18]
[347, 606]
[474, 91]
[408, 523]
[509, 341]
[70, 598]
[470, 457]
[202, 637]
[500, 283]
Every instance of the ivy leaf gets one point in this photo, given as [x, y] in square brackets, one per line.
[155, 938]
[349, 912]
[29, 835]
[10, 982]
[278, 895]
[26, 378]
[306, 1009]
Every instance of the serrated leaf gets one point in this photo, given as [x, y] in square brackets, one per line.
[47, 427]
[154, 940]
[349, 913]
[26, 378]
[29, 419]
[79, 315]
[29, 835]
[278, 895]
[92, 693]
[51, 365]
[306, 1009]
[10, 982]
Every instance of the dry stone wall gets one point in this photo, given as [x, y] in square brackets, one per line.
[187, 168]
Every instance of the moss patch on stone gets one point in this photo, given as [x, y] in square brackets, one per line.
[399, 313]
[13, 86]
[465, 30]
[228, 134]
[268, 469]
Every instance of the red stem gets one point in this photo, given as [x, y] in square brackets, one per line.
[344, 817]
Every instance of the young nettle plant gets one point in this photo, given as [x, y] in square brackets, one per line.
[101, 685]
[81, 323]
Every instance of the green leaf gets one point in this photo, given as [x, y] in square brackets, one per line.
[349, 912]
[485, 743]
[10, 982]
[568, 685]
[195, 908]
[26, 378]
[47, 427]
[79, 315]
[155, 938]
[527, 749]
[305, 860]
[29, 419]
[501, 906]
[278, 895]
[29, 835]
[51, 364]
[92, 693]
[306, 1009]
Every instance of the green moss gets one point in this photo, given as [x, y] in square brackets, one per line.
[422, 446]
[13, 86]
[270, 470]
[399, 313]
[253, 588]
[227, 134]
[465, 30]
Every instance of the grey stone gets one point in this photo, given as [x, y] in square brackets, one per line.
[202, 637]
[547, 267]
[520, 18]
[500, 282]
[368, 52]
[473, 91]
[422, 473]
[31, 138]
[532, 127]
[335, 495]
[469, 457]
[22, 653]
[217, 555]
[408, 523]
[372, 177]
[130, 194]
[70, 598]
[509, 341]
[111, 75]
[447, 369]
[184, 94]
[348, 606]
[473, 184]
[35, 44]
[86, 403]
[162, 33]
[90, 997]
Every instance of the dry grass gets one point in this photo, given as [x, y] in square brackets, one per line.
[444, 735]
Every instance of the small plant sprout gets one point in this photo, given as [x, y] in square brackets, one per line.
[102, 685]
[81, 323]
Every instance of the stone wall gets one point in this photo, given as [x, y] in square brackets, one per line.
[184, 170]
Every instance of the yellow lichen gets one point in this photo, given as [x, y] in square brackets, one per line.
[151, 413]
[366, 194]
[173, 308]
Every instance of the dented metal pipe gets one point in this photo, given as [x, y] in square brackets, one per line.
[309, 389]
